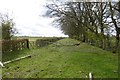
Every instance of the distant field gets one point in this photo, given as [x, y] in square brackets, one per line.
[62, 60]
[30, 38]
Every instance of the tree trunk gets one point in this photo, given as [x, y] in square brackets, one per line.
[117, 30]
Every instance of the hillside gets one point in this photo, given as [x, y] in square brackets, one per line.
[62, 59]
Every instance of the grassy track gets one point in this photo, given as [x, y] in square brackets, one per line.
[62, 60]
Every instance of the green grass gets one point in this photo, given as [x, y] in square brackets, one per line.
[60, 61]
[15, 54]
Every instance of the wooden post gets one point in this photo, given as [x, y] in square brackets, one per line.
[28, 56]
[90, 76]
[27, 41]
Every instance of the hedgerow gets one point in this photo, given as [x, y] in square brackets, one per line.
[13, 45]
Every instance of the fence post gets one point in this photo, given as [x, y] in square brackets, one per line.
[27, 43]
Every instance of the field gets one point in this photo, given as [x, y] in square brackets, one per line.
[62, 59]
[30, 38]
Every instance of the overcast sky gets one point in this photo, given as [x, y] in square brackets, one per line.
[26, 16]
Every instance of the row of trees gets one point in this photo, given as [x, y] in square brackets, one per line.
[92, 22]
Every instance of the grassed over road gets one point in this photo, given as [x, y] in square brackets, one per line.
[62, 59]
